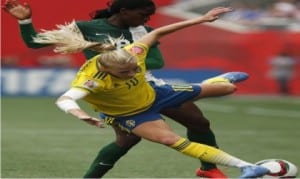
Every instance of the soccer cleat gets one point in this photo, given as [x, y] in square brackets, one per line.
[253, 171]
[232, 77]
[212, 173]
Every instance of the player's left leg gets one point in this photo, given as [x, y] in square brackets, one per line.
[158, 131]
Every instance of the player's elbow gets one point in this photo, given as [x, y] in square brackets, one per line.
[160, 64]
[35, 45]
[155, 64]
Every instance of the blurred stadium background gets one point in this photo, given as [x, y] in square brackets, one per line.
[257, 122]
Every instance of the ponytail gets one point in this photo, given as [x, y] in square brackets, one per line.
[69, 39]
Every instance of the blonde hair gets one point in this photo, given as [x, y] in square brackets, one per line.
[69, 39]
[119, 56]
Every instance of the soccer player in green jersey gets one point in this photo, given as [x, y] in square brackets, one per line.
[126, 18]
[114, 84]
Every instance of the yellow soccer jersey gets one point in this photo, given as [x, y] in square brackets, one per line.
[113, 96]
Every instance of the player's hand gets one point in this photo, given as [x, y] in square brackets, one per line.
[215, 13]
[94, 121]
[17, 10]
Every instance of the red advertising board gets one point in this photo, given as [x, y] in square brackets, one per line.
[200, 47]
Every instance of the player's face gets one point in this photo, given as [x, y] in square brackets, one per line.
[124, 71]
[136, 17]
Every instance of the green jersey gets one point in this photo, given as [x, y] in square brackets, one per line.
[97, 30]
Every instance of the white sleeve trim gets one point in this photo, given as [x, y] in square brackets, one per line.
[25, 21]
[75, 93]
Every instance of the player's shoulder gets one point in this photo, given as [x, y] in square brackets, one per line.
[137, 49]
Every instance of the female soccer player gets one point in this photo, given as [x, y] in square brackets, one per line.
[127, 18]
[114, 83]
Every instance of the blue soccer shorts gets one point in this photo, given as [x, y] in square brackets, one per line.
[167, 96]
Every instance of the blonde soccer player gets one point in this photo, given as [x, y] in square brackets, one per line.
[129, 18]
[114, 84]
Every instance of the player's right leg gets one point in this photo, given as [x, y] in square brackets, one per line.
[111, 153]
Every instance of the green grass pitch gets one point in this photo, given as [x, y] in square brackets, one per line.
[40, 141]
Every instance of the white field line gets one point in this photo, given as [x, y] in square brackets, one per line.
[273, 113]
[252, 111]
[60, 132]
[294, 100]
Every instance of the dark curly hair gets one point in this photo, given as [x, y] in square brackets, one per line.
[114, 7]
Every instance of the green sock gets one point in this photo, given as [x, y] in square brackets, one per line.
[207, 138]
[105, 160]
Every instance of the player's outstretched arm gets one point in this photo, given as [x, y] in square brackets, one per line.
[156, 34]
[68, 38]
[23, 13]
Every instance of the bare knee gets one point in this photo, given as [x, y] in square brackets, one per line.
[166, 139]
[217, 89]
[156, 131]
[230, 88]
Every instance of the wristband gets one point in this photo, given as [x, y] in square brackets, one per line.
[25, 21]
